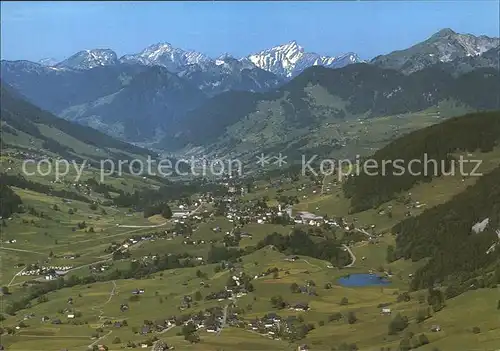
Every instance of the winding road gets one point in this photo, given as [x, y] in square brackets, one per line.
[363, 232]
[21, 250]
[101, 312]
[142, 226]
[15, 275]
[352, 256]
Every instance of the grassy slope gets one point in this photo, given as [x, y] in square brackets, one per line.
[474, 308]
[369, 333]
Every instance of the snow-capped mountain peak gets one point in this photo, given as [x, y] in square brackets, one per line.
[87, 59]
[290, 59]
[49, 62]
[166, 55]
[290, 48]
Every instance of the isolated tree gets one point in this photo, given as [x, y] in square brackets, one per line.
[166, 211]
[435, 298]
[189, 328]
[398, 323]
[5, 290]
[423, 340]
[335, 317]
[390, 255]
[278, 302]
[294, 288]
[351, 317]
[198, 296]
[422, 315]
[192, 338]
[344, 301]
[405, 345]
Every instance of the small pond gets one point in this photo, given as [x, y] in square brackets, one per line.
[355, 280]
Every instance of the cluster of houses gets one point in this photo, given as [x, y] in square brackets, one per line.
[276, 327]
[100, 267]
[236, 289]
[10, 241]
[50, 272]
[311, 219]
[211, 320]
[124, 246]
[24, 155]
[183, 211]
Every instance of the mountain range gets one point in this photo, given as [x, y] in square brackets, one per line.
[289, 60]
[285, 61]
[27, 127]
[444, 46]
[167, 93]
[311, 108]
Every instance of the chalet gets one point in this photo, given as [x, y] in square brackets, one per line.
[180, 214]
[212, 329]
[71, 316]
[300, 307]
[273, 317]
[386, 311]
[436, 328]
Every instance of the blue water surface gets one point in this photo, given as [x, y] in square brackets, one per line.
[365, 279]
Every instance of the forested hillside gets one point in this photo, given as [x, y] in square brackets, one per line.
[18, 115]
[10, 202]
[476, 131]
[445, 235]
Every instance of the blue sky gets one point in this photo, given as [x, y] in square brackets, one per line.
[35, 30]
